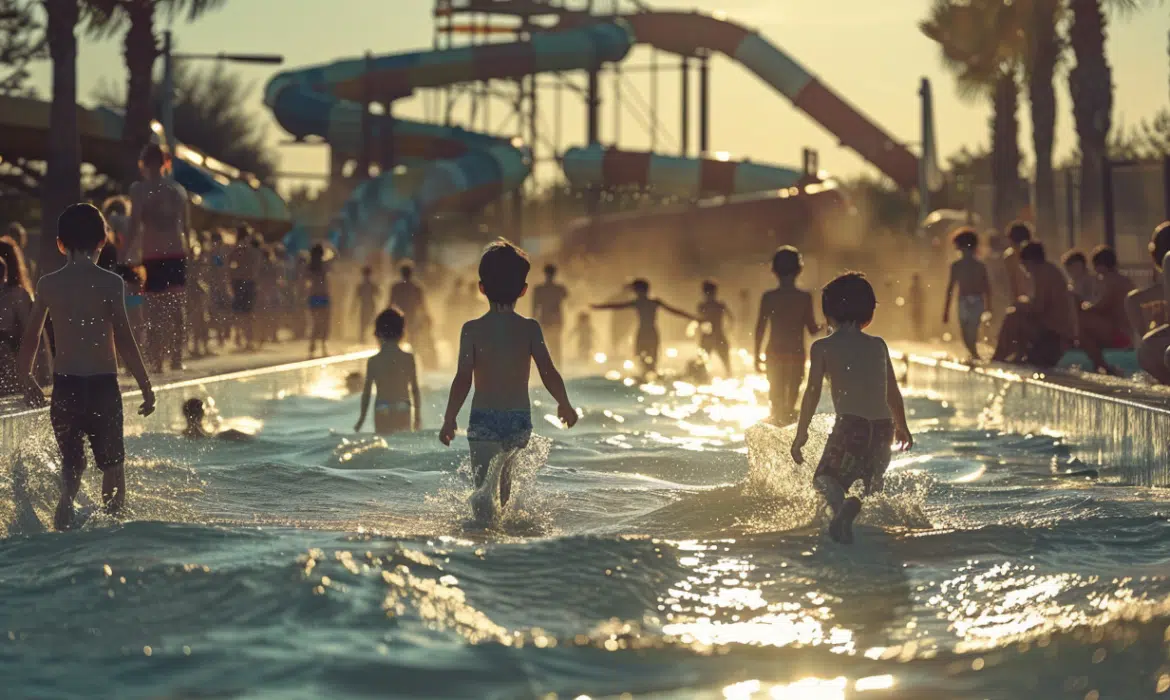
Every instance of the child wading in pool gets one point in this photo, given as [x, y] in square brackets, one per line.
[786, 312]
[393, 370]
[88, 308]
[496, 352]
[712, 334]
[969, 275]
[318, 292]
[866, 398]
[646, 340]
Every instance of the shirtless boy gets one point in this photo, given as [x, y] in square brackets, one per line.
[786, 312]
[398, 406]
[1102, 321]
[969, 275]
[1081, 281]
[89, 315]
[712, 333]
[1043, 324]
[548, 308]
[646, 340]
[194, 412]
[870, 413]
[1019, 234]
[1152, 302]
[496, 352]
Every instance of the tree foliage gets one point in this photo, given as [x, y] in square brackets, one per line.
[22, 40]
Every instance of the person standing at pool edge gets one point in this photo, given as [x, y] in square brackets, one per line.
[89, 308]
[870, 413]
[496, 352]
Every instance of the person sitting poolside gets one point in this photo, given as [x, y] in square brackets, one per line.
[1102, 322]
[1153, 346]
[194, 413]
[1043, 325]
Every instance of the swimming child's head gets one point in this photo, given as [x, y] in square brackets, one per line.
[550, 272]
[849, 299]
[193, 410]
[503, 272]
[1075, 263]
[965, 239]
[390, 325]
[641, 287]
[154, 159]
[787, 261]
[1033, 253]
[1104, 259]
[367, 272]
[407, 271]
[710, 289]
[1019, 233]
[1160, 243]
[81, 228]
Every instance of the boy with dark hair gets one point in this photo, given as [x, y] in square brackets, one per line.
[1152, 337]
[1102, 322]
[398, 406]
[496, 352]
[1081, 282]
[1043, 325]
[712, 334]
[194, 412]
[969, 274]
[88, 307]
[1019, 233]
[866, 399]
[786, 312]
[646, 340]
[365, 298]
[548, 308]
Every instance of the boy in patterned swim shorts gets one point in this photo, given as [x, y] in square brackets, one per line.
[866, 398]
[496, 352]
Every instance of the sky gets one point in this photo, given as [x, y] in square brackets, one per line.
[869, 52]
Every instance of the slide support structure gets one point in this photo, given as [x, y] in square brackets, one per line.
[704, 105]
[685, 108]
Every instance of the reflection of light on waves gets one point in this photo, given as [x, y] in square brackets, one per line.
[244, 424]
[807, 688]
[327, 387]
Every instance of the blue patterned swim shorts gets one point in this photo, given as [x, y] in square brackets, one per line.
[510, 428]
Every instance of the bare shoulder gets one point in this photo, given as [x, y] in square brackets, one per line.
[820, 346]
[532, 326]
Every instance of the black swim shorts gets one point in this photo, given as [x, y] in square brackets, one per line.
[165, 274]
[88, 406]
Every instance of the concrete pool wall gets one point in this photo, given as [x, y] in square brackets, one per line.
[1128, 440]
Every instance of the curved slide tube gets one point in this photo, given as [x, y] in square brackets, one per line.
[24, 132]
[324, 101]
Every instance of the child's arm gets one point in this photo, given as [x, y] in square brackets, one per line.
[28, 350]
[127, 347]
[950, 293]
[677, 312]
[986, 291]
[415, 396]
[812, 397]
[365, 404]
[810, 322]
[761, 327]
[612, 306]
[553, 381]
[460, 386]
[902, 435]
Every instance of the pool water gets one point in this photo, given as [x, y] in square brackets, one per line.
[663, 548]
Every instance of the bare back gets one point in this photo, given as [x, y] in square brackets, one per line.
[159, 217]
[970, 276]
[857, 366]
[393, 373]
[82, 300]
[499, 347]
[787, 312]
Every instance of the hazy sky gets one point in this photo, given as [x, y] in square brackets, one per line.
[870, 52]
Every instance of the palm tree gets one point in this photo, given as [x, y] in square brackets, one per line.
[62, 184]
[140, 48]
[1043, 48]
[980, 45]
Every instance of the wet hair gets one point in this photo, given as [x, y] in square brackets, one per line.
[82, 228]
[13, 258]
[317, 258]
[1072, 257]
[1160, 243]
[641, 286]
[1019, 232]
[1033, 252]
[709, 287]
[849, 299]
[367, 271]
[1104, 256]
[407, 271]
[787, 261]
[154, 158]
[965, 238]
[550, 270]
[390, 324]
[193, 409]
[116, 205]
[17, 233]
[503, 272]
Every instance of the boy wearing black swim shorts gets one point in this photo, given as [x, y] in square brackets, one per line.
[88, 308]
[870, 414]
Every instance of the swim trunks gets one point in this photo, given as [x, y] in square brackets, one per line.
[857, 449]
[491, 432]
[165, 274]
[391, 417]
[243, 296]
[88, 406]
[970, 317]
[134, 301]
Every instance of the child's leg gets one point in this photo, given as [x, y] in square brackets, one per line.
[106, 438]
[832, 491]
[482, 454]
[68, 430]
[970, 330]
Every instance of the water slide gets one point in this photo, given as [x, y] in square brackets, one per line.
[219, 192]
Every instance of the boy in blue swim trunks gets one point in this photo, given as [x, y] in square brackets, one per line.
[496, 352]
[870, 414]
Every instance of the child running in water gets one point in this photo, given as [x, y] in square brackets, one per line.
[786, 312]
[969, 274]
[318, 289]
[88, 308]
[394, 372]
[866, 398]
[712, 335]
[496, 352]
[646, 340]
